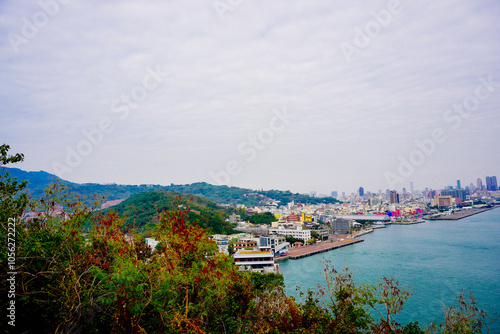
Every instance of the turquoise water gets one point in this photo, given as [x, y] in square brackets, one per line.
[435, 260]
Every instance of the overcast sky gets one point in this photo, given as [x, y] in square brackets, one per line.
[298, 95]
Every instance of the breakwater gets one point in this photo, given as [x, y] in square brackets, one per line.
[461, 214]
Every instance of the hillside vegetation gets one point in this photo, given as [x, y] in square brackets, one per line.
[38, 181]
[144, 208]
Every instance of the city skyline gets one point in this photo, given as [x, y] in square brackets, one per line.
[325, 96]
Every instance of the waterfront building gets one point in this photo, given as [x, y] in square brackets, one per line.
[455, 193]
[442, 201]
[275, 244]
[297, 233]
[245, 243]
[250, 260]
[341, 226]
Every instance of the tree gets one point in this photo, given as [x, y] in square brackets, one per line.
[13, 198]
[350, 303]
[230, 248]
[292, 240]
[311, 241]
[466, 318]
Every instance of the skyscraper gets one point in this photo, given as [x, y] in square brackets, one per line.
[488, 183]
[479, 183]
[361, 191]
[491, 183]
[458, 185]
[393, 197]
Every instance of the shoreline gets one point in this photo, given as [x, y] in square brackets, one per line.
[306, 251]
[460, 215]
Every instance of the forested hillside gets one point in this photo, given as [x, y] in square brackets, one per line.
[38, 181]
[144, 208]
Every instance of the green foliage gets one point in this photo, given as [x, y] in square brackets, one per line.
[292, 240]
[13, 198]
[143, 208]
[230, 248]
[38, 181]
[285, 197]
[260, 218]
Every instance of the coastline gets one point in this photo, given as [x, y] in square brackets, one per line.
[464, 214]
[305, 251]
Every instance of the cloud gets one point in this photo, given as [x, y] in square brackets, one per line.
[226, 77]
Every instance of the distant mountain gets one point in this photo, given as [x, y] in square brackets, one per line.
[38, 181]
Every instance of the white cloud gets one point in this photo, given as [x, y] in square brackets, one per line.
[352, 118]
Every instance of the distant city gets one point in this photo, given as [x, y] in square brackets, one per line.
[458, 191]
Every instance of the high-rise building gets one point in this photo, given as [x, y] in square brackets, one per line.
[393, 197]
[404, 190]
[458, 185]
[455, 193]
[491, 183]
[335, 194]
[361, 191]
[479, 183]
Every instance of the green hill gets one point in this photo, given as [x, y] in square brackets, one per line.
[38, 181]
[143, 208]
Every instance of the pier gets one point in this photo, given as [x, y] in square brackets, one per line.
[461, 214]
[304, 251]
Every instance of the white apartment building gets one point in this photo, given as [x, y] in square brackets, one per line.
[297, 233]
[252, 260]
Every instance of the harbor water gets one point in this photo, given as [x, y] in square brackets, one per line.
[435, 260]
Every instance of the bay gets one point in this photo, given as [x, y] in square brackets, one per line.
[435, 260]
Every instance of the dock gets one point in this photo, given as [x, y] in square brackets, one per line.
[304, 251]
[461, 214]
